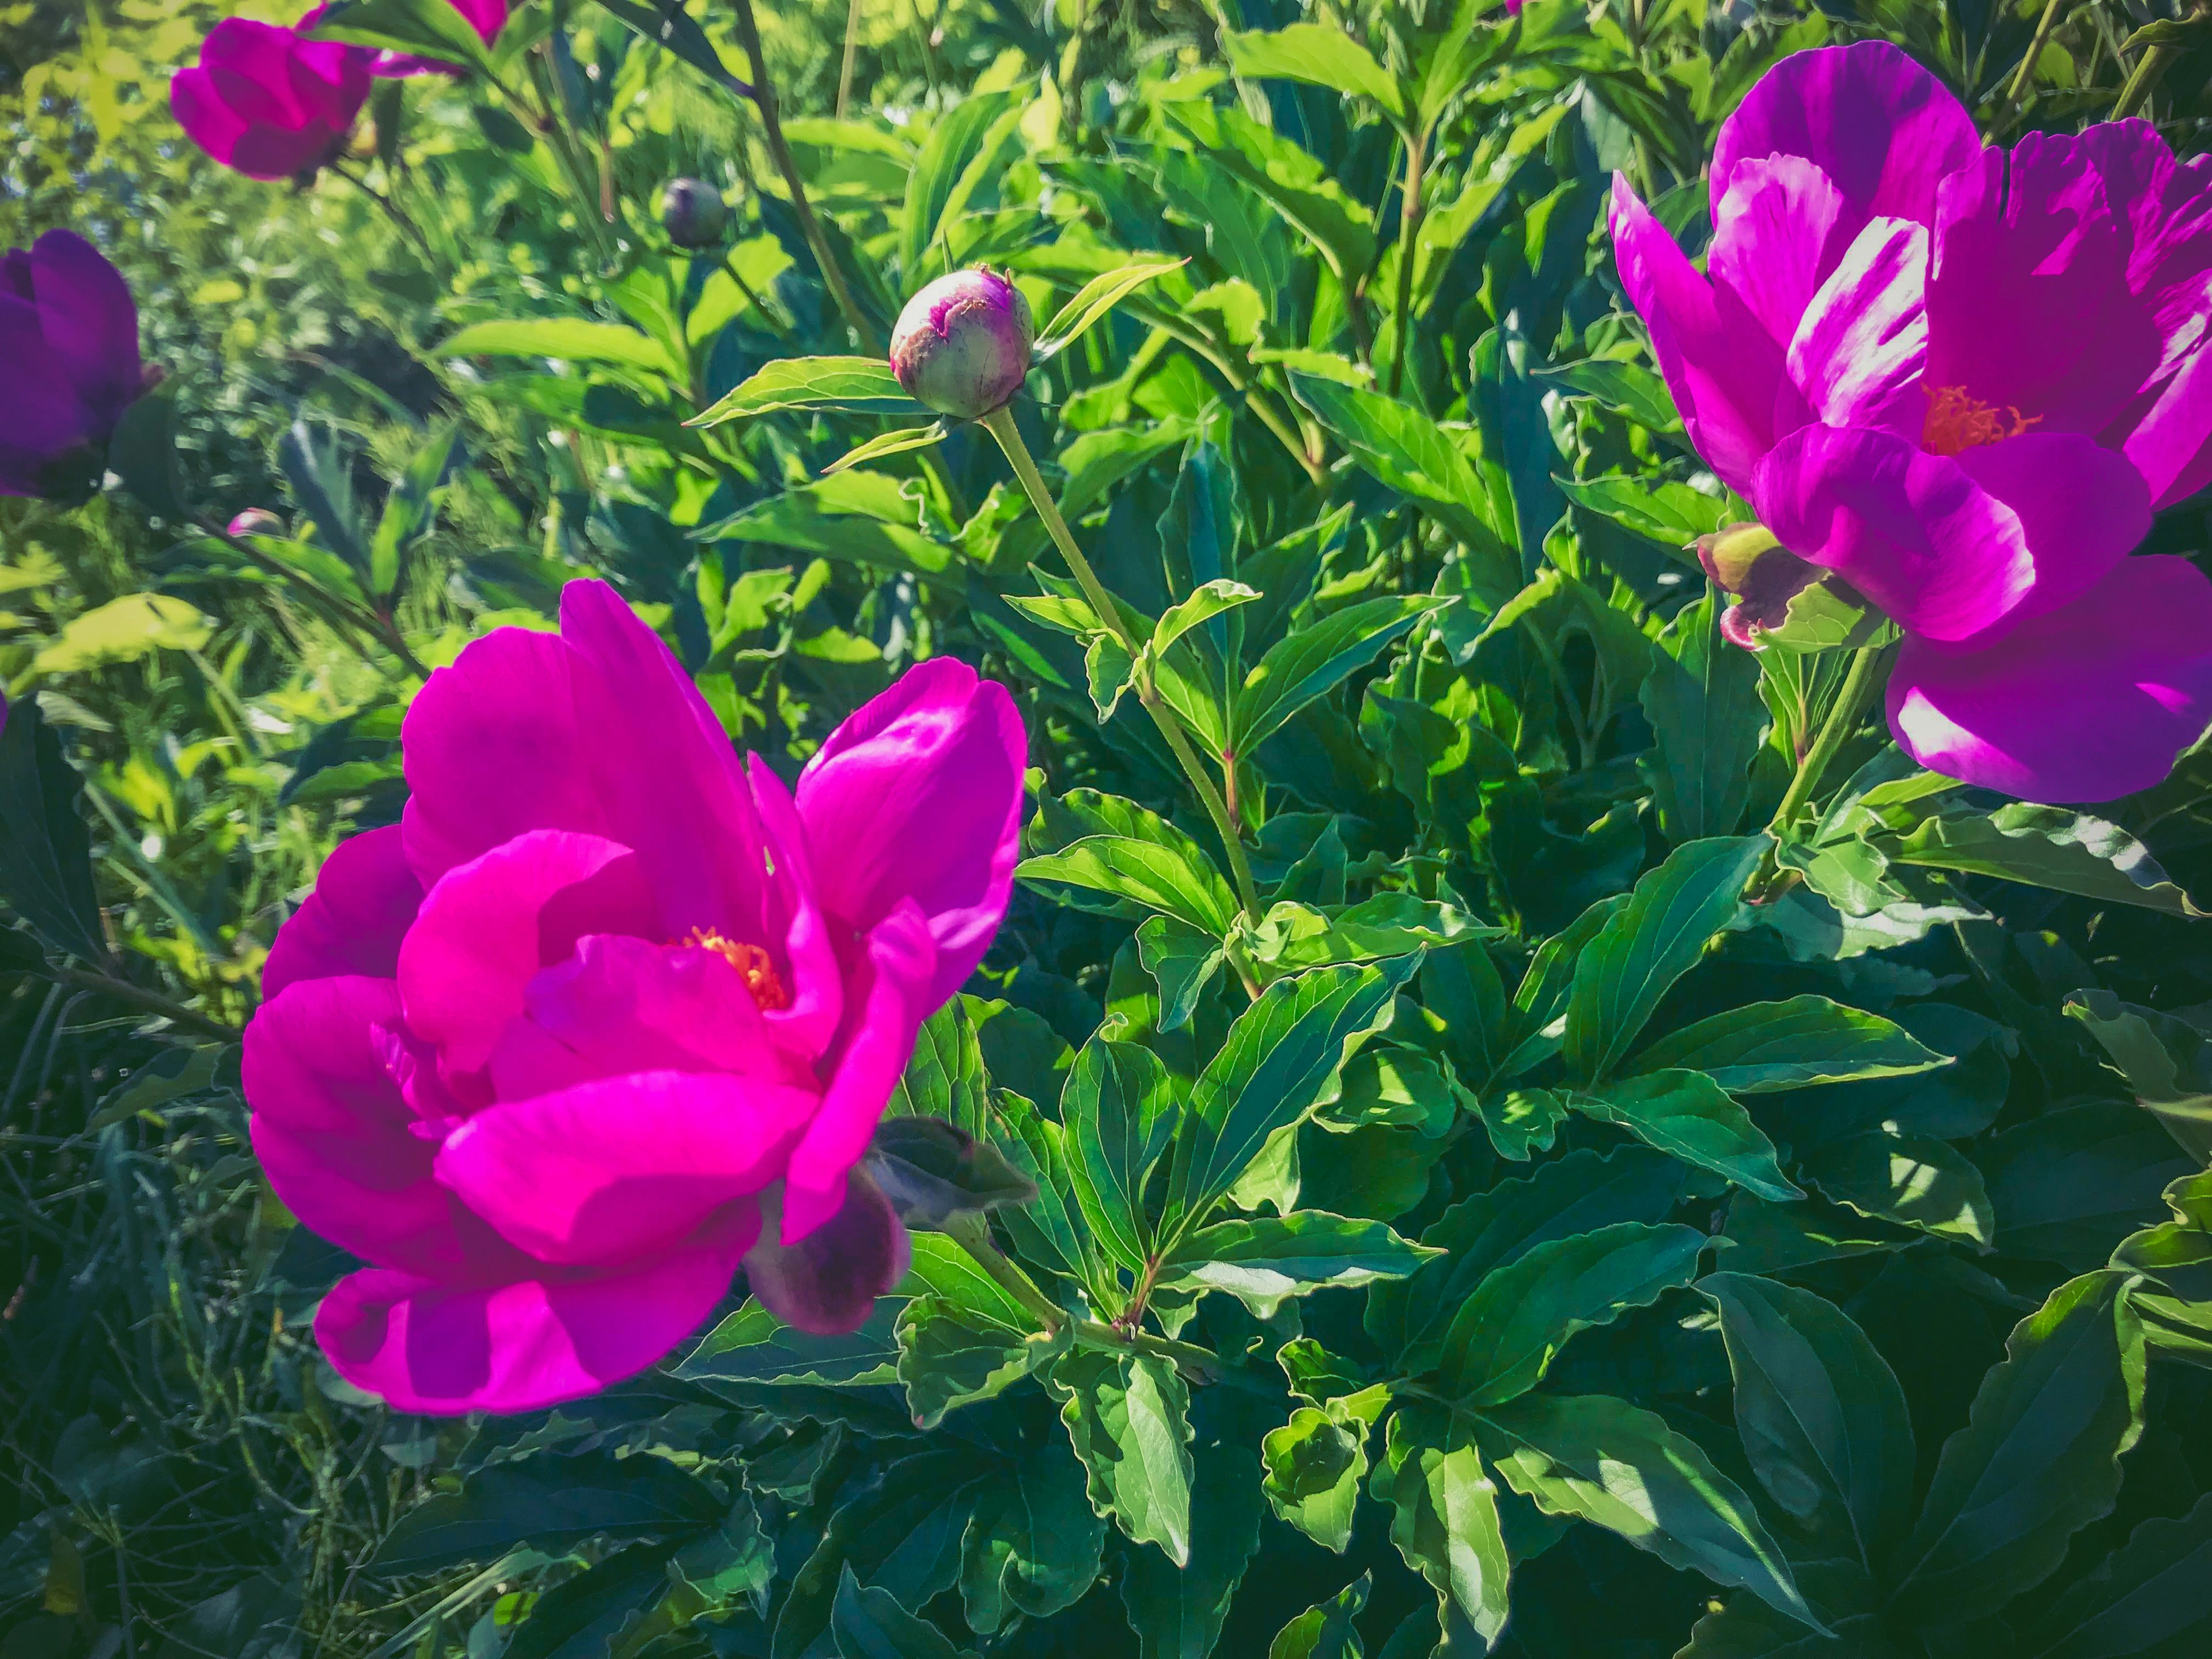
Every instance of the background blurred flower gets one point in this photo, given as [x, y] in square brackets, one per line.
[1962, 379]
[69, 362]
[267, 101]
[557, 1057]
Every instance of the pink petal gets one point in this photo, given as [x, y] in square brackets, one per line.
[607, 1171]
[525, 1345]
[90, 322]
[793, 917]
[1862, 342]
[2087, 703]
[892, 995]
[486, 17]
[623, 1004]
[335, 1136]
[1725, 373]
[1884, 129]
[829, 1284]
[918, 797]
[365, 899]
[2029, 307]
[487, 927]
[41, 417]
[1952, 547]
[1773, 239]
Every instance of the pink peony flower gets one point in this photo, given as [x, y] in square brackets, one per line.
[611, 1014]
[268, 102]
[1962, 379]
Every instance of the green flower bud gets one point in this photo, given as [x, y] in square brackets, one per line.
[693, 213]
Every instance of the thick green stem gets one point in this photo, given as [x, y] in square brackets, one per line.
[1843, 718]
[1409, 229]
[1000, 425]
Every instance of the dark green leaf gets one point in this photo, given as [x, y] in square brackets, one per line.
[951, 1355]
[1261, 1259]
[1916, 1180]
[1763, 1046]
[1120, 1112]
[1128, 1417]
[2046, 847]
[1687, 1115]
[142, 454]
[1325, 1631]
[1315, 659]
[1033, 1545]
[1314, 1464]
[2072, 1183]
[1144, 872]
[45, 857]
[2150, 1599]
[1444, 1522]
[549, 1502]
[869, 1624]
[751, 1347]
[1701, 697]
[863, 384]
[1178, 1609]
[1319, 54]
[575, 1618]
[430, 28]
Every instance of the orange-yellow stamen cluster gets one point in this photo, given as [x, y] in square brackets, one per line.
[752, 963]
[1957, 421]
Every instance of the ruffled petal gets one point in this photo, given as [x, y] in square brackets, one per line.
[1726, 374]
[829, 1283]
[487, 927]
[608, 1171]
[1883, 129]
[365, 899]
[90, 321]
[889, 999]
[446, 1349]
[1774, 239]
[2087, 703]
[918, 797]
[335, 1134]
[2029, 308]
[1952, 547]
[1862, 342]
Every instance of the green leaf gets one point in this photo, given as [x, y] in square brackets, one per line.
[1314, 1464]
[1177, 1609]
[863, 384]
[1914, 1180]
[1275, 1065]
[951, 1356]
[1673, 515]
[1157, 876]
[1318, 54]
[1316, 658]
[933, 1171]
[890, 443]
[1325, 1631]
[1624, 387]
[2046, 847]
[1128, 1417]
[1033, 1545]
[45, 857]
[2037, 1460]
[142, 454]
[551, 1502]
[751, 1345]
[578, 1616]
[900, 1531]
[1601, 1460]
[1120, 1112]
[1687, 1115]
[945, 1078]
[1184, 959]
[1819, 1412]
[407, 510]
[566, 339]
[1661, 934]
[2069, 1185]
[2149, 1599]
[1094, 300]
[1209, 600]
[2166, 1060]
[1502, 1342]
[1702, 704]
[869, 1624]
[124, 630]
[427, 28]
[1261, 1259]
[1764, 1046]
[961, 135]
[1444, 1522]
[667, 24]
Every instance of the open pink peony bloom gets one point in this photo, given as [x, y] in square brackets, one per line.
[267, 101]
[610, 1013]
[1962, 379]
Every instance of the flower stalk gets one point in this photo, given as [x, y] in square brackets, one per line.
[1843, 718]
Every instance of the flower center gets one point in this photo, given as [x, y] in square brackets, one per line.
[752, 963]
[1957, 421]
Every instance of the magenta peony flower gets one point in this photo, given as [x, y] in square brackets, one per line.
[962, 344]
[1962, 379]
[69, 363]
[267, 101]
[610, 1014]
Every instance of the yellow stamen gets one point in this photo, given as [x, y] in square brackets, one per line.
[752, 963]
[1957, 421]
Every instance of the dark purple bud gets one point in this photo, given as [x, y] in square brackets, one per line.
[255, 521]
[69, 365]
[693, 213]
[962, 345]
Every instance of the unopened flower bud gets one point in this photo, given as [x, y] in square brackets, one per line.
[962, 345]
[1779, 599]
[255, 521]
[693, 213]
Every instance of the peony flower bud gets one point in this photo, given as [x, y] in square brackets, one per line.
[693, 213]
[255, 521]
[962, 345]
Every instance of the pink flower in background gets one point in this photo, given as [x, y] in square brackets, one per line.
[267, 101]
[69, 362]
[1962, 379]
[611, 1013]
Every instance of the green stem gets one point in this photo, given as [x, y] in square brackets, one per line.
[971, 1232]
[1843, 718]
[1409, 227]
[2018, 90]
[999, 422]
[153, 1001]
